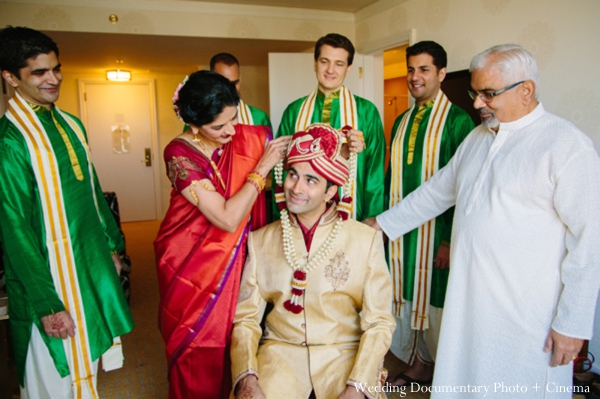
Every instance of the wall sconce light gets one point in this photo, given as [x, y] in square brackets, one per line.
[116, 75]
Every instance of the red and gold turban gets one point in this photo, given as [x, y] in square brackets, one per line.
[321, 146]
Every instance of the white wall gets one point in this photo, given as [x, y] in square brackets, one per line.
[176, 18]
[561, 35]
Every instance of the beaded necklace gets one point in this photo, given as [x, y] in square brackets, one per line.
[202, 144]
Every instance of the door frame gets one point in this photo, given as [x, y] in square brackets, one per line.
[150, 83]
[375, 51]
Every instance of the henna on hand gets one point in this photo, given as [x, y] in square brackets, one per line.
[59, 325]
[247, 393]
[56, 323]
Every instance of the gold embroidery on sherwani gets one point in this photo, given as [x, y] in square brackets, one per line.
[412, 140]
[338, 271]
[72, 156]
[326, 116]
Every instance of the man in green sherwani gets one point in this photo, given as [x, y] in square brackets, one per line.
[424, 138]
[60, 240]
[333, 104]
[227, 65]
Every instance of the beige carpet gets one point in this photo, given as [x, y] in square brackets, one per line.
[395, 366]
[144, 374]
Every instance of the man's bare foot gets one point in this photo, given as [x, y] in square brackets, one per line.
[419, 372]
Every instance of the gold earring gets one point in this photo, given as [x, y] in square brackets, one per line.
[196, 138]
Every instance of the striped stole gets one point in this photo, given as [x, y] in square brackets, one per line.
[348, 117]
[244, 114]
[426, 232]
[58, 238]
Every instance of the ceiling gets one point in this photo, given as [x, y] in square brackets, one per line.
[80, 51]
[84, 51]
[330, 5]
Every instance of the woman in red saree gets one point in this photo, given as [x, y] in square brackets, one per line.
[217, 171]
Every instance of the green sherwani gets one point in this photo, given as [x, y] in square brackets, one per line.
[31, 291]
[457, 127]
[370, 162]
[260, 117]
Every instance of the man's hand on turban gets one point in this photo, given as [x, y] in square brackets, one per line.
[275, 152]
[355, 142]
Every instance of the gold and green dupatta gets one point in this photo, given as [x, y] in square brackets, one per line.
[58, 238]
[426, 232]
[244, 114]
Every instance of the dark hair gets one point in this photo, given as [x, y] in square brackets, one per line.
[18, 44]
[337, 41]
[204, 96]
[223, 58]
[329, 184]
[437, 52]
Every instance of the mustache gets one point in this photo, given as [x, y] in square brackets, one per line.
[485, 111]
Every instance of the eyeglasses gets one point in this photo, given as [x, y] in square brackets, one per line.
[489, 96]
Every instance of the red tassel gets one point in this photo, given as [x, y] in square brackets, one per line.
[345, 207]
[288, 305]
[280, 197]
[298, 285]
[299, 275]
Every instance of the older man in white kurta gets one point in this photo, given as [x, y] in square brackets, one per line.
[525, 252]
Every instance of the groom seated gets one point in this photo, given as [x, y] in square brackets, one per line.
[325, 277]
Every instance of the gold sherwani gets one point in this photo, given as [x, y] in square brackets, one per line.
[330, 343]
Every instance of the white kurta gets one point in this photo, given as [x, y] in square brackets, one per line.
[525, 254]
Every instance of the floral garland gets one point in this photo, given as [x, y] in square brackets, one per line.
[300, 271]
[299, 277]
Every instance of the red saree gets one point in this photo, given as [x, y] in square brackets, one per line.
[199, 267]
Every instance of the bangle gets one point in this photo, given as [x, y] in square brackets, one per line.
[255, 184]
[257, 180]
[192, 193]
[260, 175]
[205, 185]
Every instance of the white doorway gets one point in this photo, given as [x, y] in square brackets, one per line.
[396, 96]
[120, 119]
